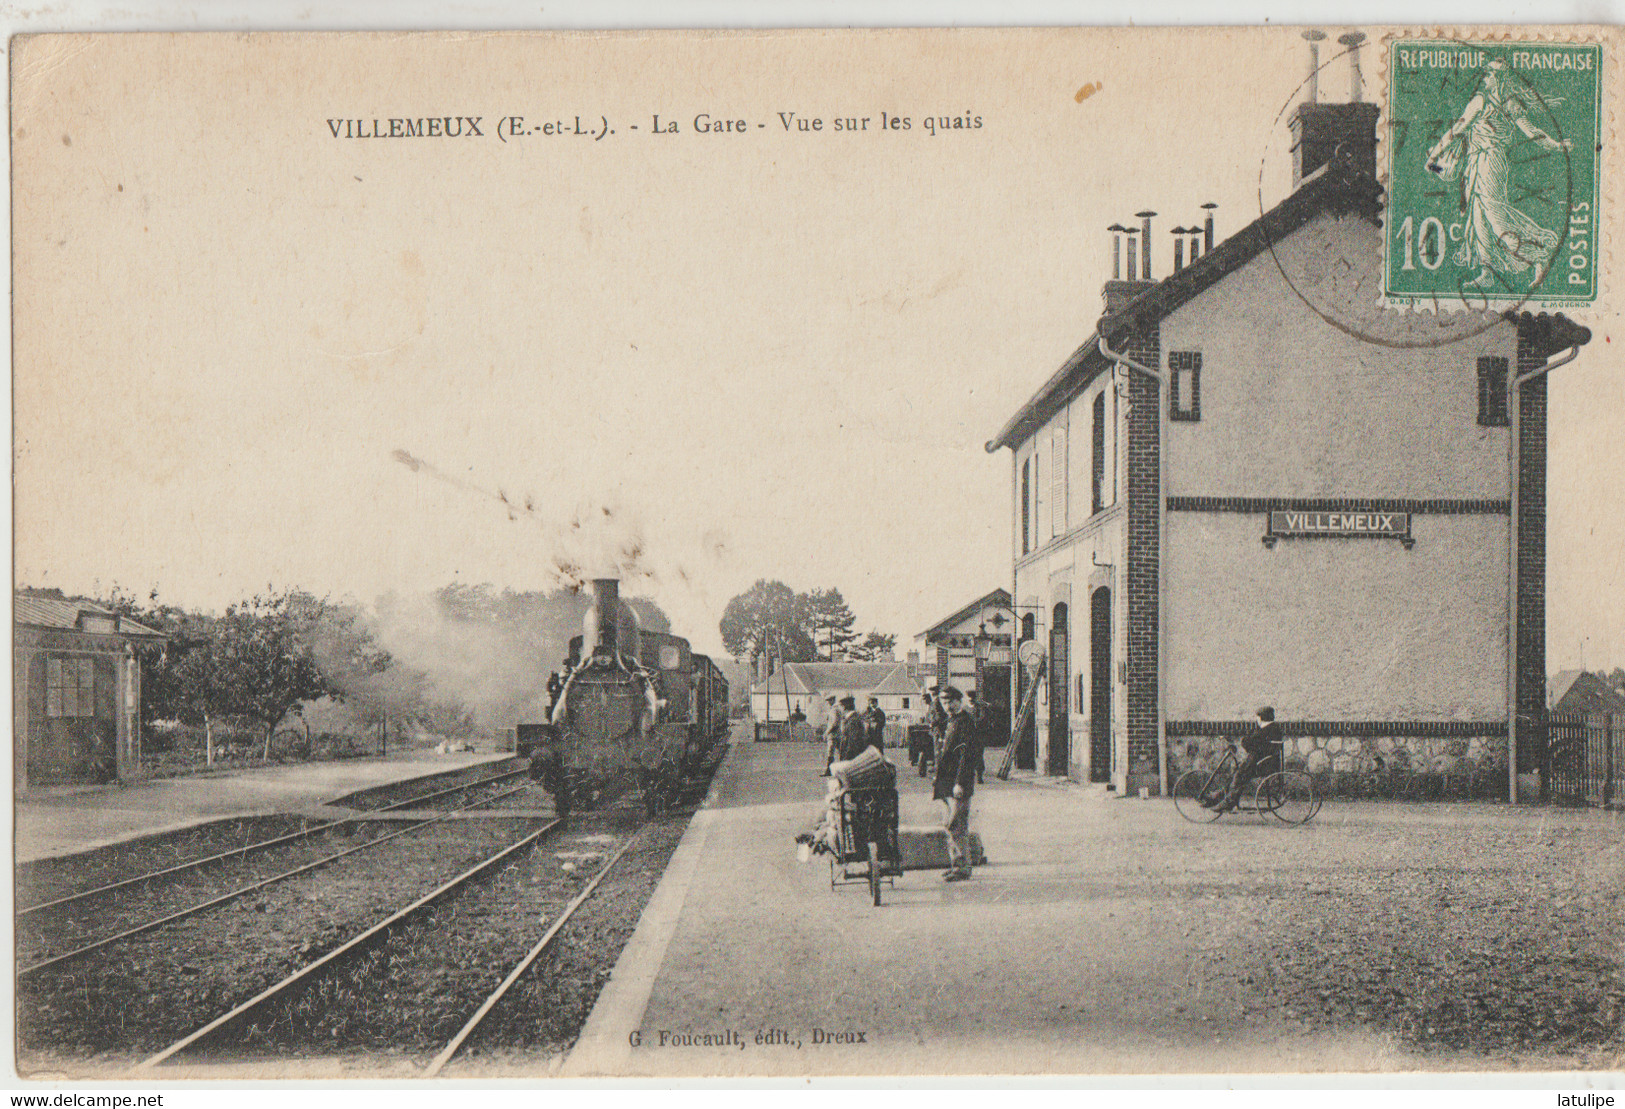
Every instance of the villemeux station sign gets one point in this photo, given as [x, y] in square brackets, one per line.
[1339, 525]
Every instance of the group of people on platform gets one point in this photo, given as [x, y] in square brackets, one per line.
[958, 730]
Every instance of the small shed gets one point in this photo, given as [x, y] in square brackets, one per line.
[76, 692]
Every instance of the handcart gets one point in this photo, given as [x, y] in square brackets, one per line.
[866, 844]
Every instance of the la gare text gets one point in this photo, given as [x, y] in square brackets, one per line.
[599, 127]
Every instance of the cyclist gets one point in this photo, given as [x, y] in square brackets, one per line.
[1263, 747]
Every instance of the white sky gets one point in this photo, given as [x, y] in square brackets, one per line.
[771, 355]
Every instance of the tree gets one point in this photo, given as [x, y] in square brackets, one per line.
[263, 652]
[768, 619]
[831, 622]
[875, 647]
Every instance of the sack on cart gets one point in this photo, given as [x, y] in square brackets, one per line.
[869, 770]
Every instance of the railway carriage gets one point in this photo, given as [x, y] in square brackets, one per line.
[638, 710]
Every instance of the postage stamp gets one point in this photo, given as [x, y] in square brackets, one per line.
[1492, 169]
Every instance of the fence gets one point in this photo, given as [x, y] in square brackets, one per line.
[803, 731]
[1584, 759]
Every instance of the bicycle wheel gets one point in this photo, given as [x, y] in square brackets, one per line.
[1192, 788]
[874, 872]
[1290, 796]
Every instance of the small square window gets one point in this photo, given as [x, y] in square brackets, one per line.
[1185, 385]
[1492, 392]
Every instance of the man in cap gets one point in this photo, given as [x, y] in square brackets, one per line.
[874, 718]
[832, 733]
[937, 717]
[956, 781]
[854, 730]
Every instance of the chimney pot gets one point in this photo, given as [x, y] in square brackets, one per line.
[1145, 244]
[1352, 40]
[1207, 228]
[1314, 37]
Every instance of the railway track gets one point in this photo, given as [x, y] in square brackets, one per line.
[428, 974]
[252, 848]
[41, 939]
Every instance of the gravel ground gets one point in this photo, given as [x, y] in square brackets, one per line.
[117, 1005]
[540, 1018]
[49, 879]
[53, 931]
[416, 989]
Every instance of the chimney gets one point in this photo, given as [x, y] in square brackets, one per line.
[606, 601]
[1179, 248]
[1133, 258]
[1145, 246]
[1207, 228]
[1323, 132]
[1314, 38]
[1352, 40]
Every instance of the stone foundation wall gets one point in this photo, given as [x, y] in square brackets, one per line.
[1352, 766]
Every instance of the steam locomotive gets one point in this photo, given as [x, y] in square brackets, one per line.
[638, 710]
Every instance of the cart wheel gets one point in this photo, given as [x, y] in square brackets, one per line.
[1190, 791]
[874, 872]
[1290, 795]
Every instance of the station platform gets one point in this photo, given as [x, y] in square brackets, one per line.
[49, 823]
[1063, 955]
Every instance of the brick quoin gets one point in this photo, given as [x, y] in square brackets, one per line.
[1531, 677]
[1144, 456]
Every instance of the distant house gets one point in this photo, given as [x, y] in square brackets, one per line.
[1579, 691]
[76, 692]
[803, 686]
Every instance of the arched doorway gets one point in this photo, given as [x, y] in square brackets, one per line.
[1059, 712]
[1026, 741]
[1100, 685]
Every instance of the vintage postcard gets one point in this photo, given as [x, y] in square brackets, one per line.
[776, 554]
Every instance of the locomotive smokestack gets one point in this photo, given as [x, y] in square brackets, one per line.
[606, 600]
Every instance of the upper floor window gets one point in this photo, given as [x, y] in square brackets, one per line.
[1026, 506]
[1098, 452]
[70, 687]
[1185, 385]
[1057, 478]
[1492, 392]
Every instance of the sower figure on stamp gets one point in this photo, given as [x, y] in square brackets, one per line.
[956, 782]
[1263, 747]
[1499, 238]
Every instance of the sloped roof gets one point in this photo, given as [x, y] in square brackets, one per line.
[49, 612]
[999, 597]
[1337, 188]
[813, 678]
[899, 681]
[1579, 691]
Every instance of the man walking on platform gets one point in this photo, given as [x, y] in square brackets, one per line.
[978, 714]
[956, 782]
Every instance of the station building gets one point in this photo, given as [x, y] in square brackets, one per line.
[803, 686]
[1253, 485]
[76, 693]
[972, 648]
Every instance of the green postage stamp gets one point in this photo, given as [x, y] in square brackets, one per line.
[1492, 174]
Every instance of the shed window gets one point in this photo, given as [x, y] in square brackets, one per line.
[1185, 385]
[905, 702]
[70, 687]
[1492, 392]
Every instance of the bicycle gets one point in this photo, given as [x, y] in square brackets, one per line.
[1288, 795]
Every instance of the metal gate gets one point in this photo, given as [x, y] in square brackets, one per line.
[1584, 761]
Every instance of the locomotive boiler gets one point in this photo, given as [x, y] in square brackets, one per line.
[638, 710]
